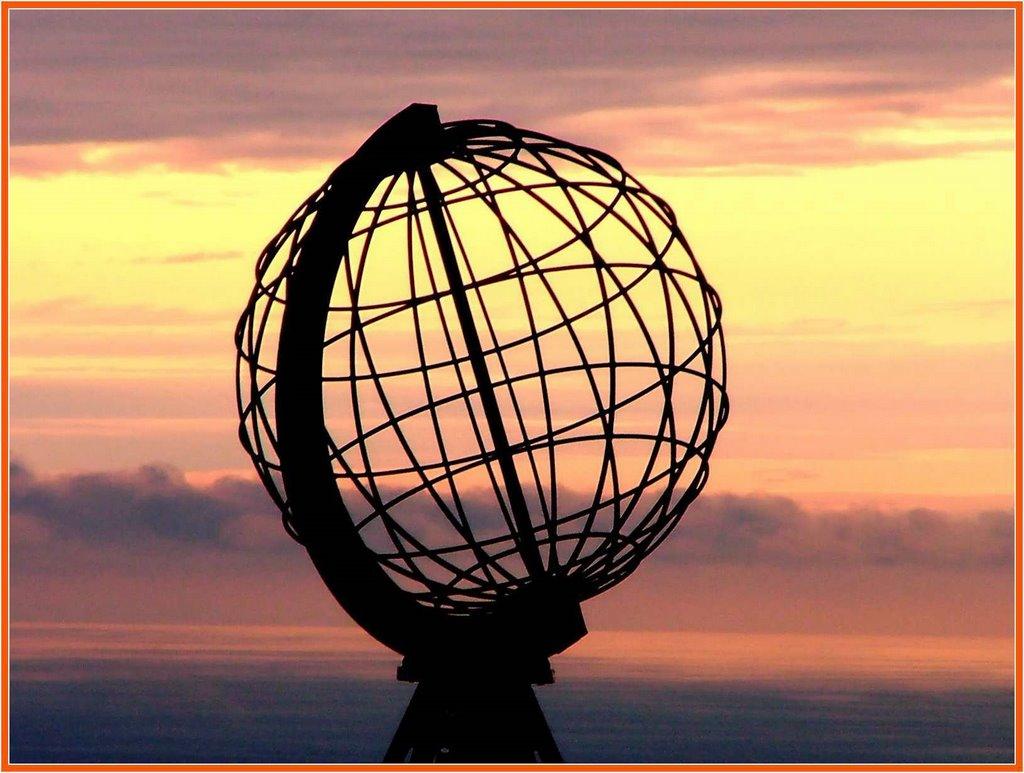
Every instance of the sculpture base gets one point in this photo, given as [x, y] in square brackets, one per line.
[475, 721]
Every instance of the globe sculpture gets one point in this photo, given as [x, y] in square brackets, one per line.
[481, 374]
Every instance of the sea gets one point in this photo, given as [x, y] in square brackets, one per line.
[98, 693]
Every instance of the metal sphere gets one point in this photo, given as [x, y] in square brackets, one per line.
[522, 368]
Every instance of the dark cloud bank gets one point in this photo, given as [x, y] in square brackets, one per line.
[700, 88]
[178, 711]
[156, 506]
[81, 75]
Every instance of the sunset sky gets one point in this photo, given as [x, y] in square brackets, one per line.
[844, 177]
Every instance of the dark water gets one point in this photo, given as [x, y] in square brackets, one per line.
[192, 694]
[301, 719]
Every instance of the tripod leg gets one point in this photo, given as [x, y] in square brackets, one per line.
[545, 745]
[415, 726]
[459, 722]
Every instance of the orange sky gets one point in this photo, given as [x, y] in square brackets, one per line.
[845, 178]
[868, 315]
[815, 662]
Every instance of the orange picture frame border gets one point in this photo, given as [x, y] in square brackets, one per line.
[8, 5]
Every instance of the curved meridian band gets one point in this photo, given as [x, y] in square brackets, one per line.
[520, 631]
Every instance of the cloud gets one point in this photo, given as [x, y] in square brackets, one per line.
[978, 307]
[705, 90]
[152, 503]
[156, 504]
[178, 341]
[149, 545]
[811, 327]
[78, 311]
[195, 257]
[771, 530]
[219, 153]
[763, 121]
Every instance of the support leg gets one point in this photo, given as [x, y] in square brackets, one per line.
[460, 722]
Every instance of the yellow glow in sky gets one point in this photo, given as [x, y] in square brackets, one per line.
[868, 316]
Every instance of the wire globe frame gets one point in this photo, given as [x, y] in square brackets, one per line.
[523, 369]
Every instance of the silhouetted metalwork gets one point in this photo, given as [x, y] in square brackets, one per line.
[465, 721]
[481, 374]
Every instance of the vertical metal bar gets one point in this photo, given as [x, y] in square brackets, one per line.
[517, 501]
